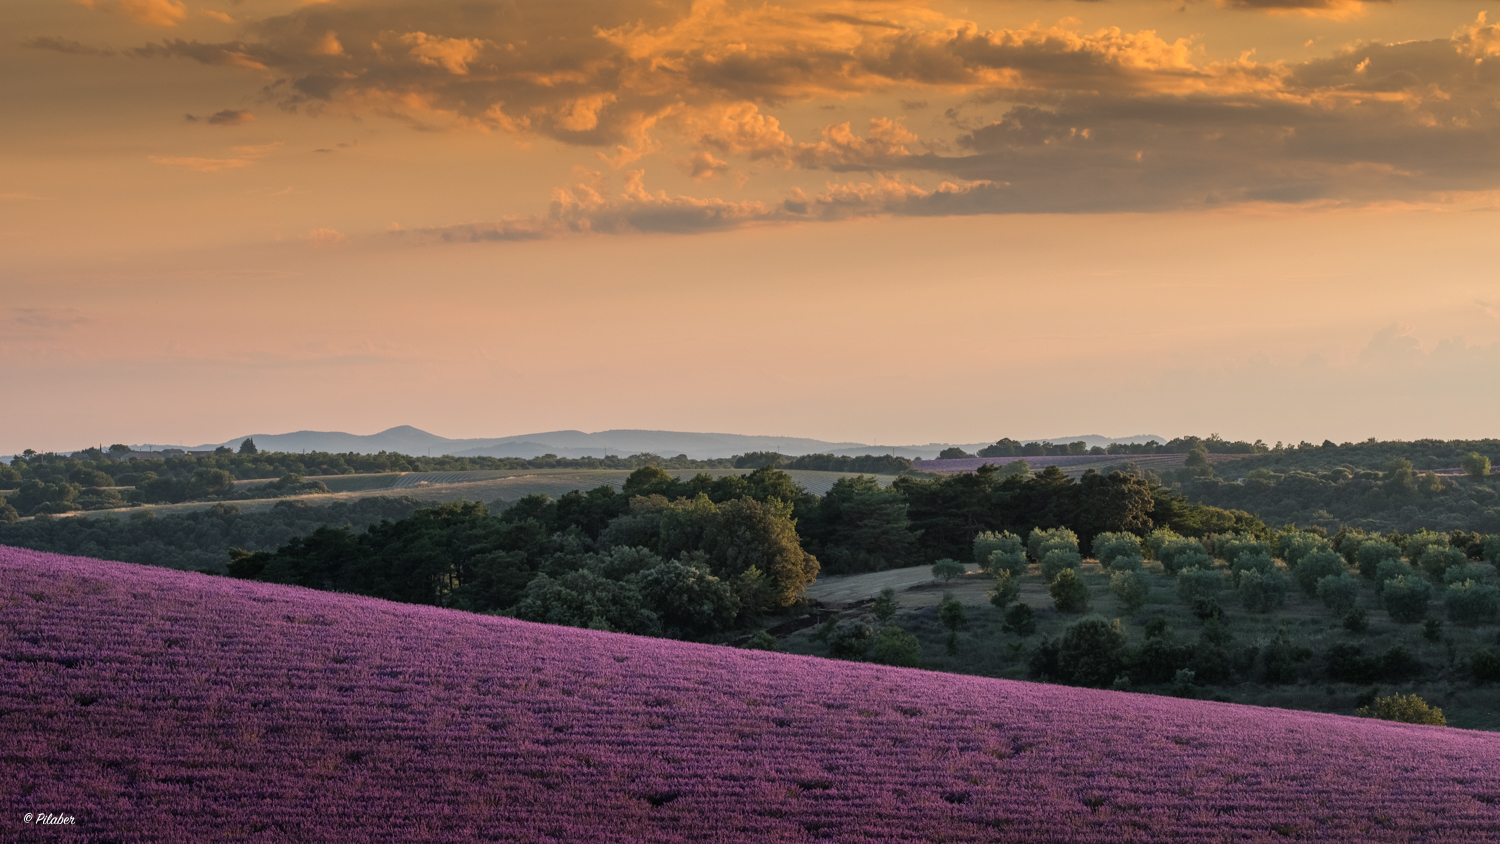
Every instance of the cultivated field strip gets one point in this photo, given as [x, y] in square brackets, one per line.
[1072, 465]
[416, 479]
[170, 707]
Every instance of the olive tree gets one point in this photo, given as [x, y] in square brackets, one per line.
[1133, 588]
[947, 569]
[1476, 465]
[1406, 598]
[1069, 592]
[1315, 565]
[1058, 560]
[1472, 603]
[1339, 592]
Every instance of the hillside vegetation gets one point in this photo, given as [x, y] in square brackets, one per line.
[266, 712]
[702, 557]
[1300, 621]
[103, 480]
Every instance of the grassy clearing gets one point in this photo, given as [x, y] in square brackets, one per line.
[442, 487]
[986, 650]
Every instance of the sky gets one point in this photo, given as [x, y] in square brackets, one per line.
[882, 221]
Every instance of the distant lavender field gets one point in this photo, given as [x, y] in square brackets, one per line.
[969, 464]
[154, 705]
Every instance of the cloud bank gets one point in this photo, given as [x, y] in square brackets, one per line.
[1037, 119]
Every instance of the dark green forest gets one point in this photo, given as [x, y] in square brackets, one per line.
[104, 480]
[198, 541]
[723, 550]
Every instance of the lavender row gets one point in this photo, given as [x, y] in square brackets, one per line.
[164, 706]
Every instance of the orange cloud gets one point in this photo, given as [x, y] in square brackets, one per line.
[1333, 9]
[153, 12]
[1048, 118]
[325, 237]
[202, 165]
[451, 54]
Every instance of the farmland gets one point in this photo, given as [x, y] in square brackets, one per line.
[268, 712]
[441, 487]
[1074, 465]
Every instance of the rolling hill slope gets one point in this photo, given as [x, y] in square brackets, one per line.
[164, 706]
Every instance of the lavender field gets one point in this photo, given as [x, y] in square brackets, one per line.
[154, 705]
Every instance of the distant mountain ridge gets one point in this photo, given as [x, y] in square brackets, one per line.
[405, 439]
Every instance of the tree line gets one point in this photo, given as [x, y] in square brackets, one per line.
[722, 550]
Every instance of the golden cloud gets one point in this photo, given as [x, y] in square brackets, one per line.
[1039, 118]
[202, 165]
[153, 12]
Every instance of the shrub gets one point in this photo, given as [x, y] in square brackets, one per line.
[1020, 620]
[1296, 546]
[1231, 547]
[1158, 660]
[1392, 569]
[1398, 664]
[947, 569]
[989, 542]
[951, 613]
[894, 646]
[1373, 552]
[1069, 592]
[1347, 664]
[1263, 592]
[1484, 666]
[1357, 620]
[1157, 540]
[825, 630]
[1314, 566]
[1180, 554]
[1212, 663]
[1041, 541]
[1491, 546]
[1339, 592]
[1418, 543]
[1472, 603]
[1110, 546]
[1058, 560]
[1127, 562]
[1215, 633]
[1406, 598]
[1280, 659]
[1205, 608]
[1476, 465]
[761, 641]
[1347, 543]
[1432, 629]
[1006, 589]
[850, 642]
[1159, 627]
[1061, 543]
[884, 606]
[1133, 588]
[1468, 571]
[1041, 663]
[1007, 562]
[1436, 561]
[1194, 581]
[1408, 709]
[1248, 562]
[1091, 652]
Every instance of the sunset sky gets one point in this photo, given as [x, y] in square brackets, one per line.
[864, 220]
